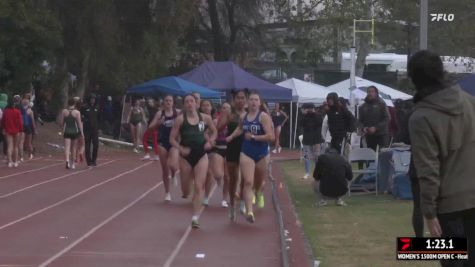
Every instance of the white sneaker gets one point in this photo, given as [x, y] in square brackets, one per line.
[10, 164]
[279, 150]
[274, 151]
[242, 207]
[146, 157]
[135, 150]
[224, 204]
[168, 197]
[15, 164]
[73, 166]
[205, 201]
[156, 158]
[31, 156]
[21, 159]
[306, 176]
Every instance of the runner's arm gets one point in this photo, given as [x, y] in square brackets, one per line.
[268, 135]
[175, 132]
[212, 132]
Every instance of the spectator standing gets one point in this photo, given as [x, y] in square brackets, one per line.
[91, 118]
[311, 125]
[3, 105]
[442, 132]
[340, 120]
[279, 117]
[151, 109]
[12, 126]
[374, 119]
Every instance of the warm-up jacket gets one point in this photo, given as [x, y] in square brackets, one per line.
[333, 172]
[311, 125]
[373, 113]
[442, 132]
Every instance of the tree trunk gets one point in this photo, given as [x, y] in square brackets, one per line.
[218, 38]
[84, 77]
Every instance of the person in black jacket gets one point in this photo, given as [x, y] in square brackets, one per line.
[373, 119]
[331, 175]
[90, 117]
[340, 120]
[311, 125]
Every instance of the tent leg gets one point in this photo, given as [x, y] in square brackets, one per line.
[290, 126]
[296, 119]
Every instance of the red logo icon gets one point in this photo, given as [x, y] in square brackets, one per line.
[406, 243]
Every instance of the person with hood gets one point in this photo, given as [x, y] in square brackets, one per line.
[91, 118]
[311, 125]
[373, 119]
[442, 132]
[340, 120]
[331, 175]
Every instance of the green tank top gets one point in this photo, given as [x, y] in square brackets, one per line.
[70, 124]
[136, 116]
[193, 135]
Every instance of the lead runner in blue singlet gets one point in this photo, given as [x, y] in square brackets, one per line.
[258, 133]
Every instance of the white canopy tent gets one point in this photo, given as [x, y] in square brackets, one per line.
[303, 92]
[343, 89]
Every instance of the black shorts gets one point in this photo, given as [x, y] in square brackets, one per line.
[28, 129]
[195, 155]
[219, 151]
[71, 136]
[233, 150]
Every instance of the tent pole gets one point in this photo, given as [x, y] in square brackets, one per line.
[296, 120]
[291, 124]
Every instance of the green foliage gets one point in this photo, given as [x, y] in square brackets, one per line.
[28, 36]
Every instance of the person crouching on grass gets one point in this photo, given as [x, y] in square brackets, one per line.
[332, 175]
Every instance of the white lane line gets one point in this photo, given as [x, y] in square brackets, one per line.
[184, 237]
[97, 227]
[51, 180]
[72, 197]
[29, 171]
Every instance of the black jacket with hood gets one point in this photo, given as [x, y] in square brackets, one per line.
[340, 119]
[374, 113]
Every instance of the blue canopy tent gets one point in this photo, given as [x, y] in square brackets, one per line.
[467, 83]
[172, 85]
[226, 76]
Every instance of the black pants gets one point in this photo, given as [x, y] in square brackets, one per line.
[372, 141]
[91, 137]
[460, 224]
[336, 142]
[417, 217]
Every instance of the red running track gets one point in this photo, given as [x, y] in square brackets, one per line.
[114, 215]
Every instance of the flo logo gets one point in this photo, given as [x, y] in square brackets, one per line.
[404, 244]
[442, 17]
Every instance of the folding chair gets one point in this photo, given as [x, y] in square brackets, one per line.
[367, 155]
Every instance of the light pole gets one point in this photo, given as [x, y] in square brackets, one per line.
[424, 10]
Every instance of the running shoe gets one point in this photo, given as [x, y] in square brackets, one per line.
[254, 199]
[279, 150]
[242, 207]
[306, 176]
[232, 213]
[67, 164]
[224, 204]
[15, 164]
[21, 159]
[274, 151]
[10, 164]
[250, 217]
[156, 158]
[73, 166]
[135, 150]
[205, 202]
[146, 157]
[260, 200]
[340, 202]
[195, 224]
[168, 197]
